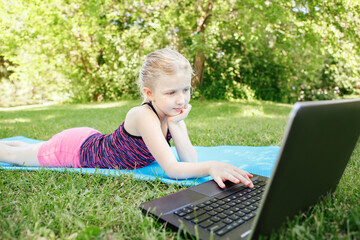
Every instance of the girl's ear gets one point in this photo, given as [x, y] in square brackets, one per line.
[148, 93]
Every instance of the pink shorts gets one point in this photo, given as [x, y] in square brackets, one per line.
[63, 149]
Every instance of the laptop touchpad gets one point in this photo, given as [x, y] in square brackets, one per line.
[209, 188]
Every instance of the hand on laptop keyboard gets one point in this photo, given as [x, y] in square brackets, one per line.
[222, 172]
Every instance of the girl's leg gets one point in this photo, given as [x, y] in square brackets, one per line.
[20, 153]
[15, 143]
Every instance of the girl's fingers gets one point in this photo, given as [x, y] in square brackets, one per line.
[236, 180]
[219, 182]
[233, 178]
[247, 182]
[228, 177]
[244, 178]
[181, 116]
[243, 172]
[232, 174]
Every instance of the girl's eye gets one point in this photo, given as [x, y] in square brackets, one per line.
[186, 90]
[171, 93]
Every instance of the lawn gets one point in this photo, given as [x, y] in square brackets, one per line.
[54, 205]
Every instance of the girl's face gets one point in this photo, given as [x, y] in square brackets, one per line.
[171, 94]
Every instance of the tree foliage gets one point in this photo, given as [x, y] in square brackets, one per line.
[91, 50]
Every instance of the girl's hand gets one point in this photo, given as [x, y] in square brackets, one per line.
[221, 172]
[181, 116]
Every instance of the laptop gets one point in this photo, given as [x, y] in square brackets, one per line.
[318, 142]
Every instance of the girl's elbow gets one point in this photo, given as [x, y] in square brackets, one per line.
[172, 174]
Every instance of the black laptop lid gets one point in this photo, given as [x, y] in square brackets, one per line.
[317, 145]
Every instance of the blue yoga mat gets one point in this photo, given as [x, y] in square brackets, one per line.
[257, 160]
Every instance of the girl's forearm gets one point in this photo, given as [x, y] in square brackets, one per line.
[183, 170]
[184, 148]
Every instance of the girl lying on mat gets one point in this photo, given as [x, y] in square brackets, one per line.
[165, 82]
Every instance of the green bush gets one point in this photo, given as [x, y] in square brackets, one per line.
[83, 51]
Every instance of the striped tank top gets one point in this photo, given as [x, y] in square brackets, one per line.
[118, 150]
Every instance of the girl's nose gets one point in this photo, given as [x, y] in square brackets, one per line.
[180, 100]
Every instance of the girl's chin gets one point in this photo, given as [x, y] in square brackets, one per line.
[174, 113]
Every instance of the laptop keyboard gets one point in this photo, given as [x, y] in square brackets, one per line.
[225, 211]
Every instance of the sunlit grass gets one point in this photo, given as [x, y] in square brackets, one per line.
[66, 205]
[15, 120]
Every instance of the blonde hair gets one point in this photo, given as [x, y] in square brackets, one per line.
[159, 63]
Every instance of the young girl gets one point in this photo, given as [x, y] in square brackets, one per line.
[165, 82]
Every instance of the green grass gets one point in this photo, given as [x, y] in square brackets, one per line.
[66, 205]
